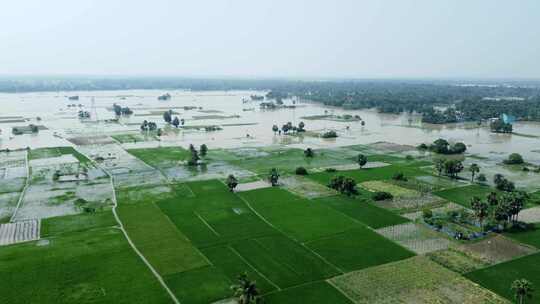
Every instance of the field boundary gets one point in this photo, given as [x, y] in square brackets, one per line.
[23, 191]
[130, 242]
[254, 268]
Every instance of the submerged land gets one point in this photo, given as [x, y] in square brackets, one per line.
[125, 205]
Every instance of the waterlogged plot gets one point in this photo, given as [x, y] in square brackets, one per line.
[413, 216]
[415, 280]
[148, 194]
[415, 238]
[405, 204]
[126, 169]
[531, 215]
[304, 187]
[440, 182]
[13, 173]
[56, 199]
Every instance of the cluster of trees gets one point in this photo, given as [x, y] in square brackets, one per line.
[514, 159]
[503, 184]
[196, 155]
[526, 108]
[450, 167]
[84, 114]
[434, 116]
[500, 210]
[167, 117]
[119, 110]
[329, 134]
[273, 177]
[499, 126]
[149, 126]
[442, 146]
[344, 185]
[289, 127]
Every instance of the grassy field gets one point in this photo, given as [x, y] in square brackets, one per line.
[313, 293]
[362, 210]
[530, 237]
[167, 249]
[133, 138]
[499, 277]
[463, 195]
[415, 280]
[55, 152]
[299, 218]
[395, 190]
[162, 156]
[358, 248]
[95, 266]
[73, 223]
[369, 174]
[203, 285]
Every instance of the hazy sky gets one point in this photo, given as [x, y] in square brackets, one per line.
[312, 38]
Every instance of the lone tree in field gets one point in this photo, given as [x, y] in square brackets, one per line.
[167, 116]
[194, 156]
[274, 177]
[301, 126]
[522, 289]
[481, 209]
[474, 168]
[361, 160]
[309, 153]
[204, 150]
[231, 182]
[176, 122]
[275, 128]
[452, 167]
[246, 291]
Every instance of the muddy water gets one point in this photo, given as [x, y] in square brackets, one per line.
[62, 123]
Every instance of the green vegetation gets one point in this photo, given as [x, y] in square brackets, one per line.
[500, 277]
[203, 285]
[463, 195]
[58, 151]
[76, 223]
[162, 156]
[313, 293]
[418, 280]
[358, 248]
[94, 266]
[160, 242]
[530, 236]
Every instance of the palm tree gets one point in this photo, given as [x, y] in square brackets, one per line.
[275, 128]
[481, 209]
[474, 168]
[246, 291]
[522, 289]
[309, 152]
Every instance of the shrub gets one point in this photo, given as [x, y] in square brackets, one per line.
[330, 170]
[422, 147]
[481, 177]
[409, 157]
[514, 159]
[427, 214]
[301, 171]
[399, 176]
[329, 134]
[382, 195]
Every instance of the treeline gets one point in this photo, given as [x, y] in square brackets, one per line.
[475, 109]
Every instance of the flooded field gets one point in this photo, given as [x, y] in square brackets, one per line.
[243, 124]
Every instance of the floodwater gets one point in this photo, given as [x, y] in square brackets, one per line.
[61, 122]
